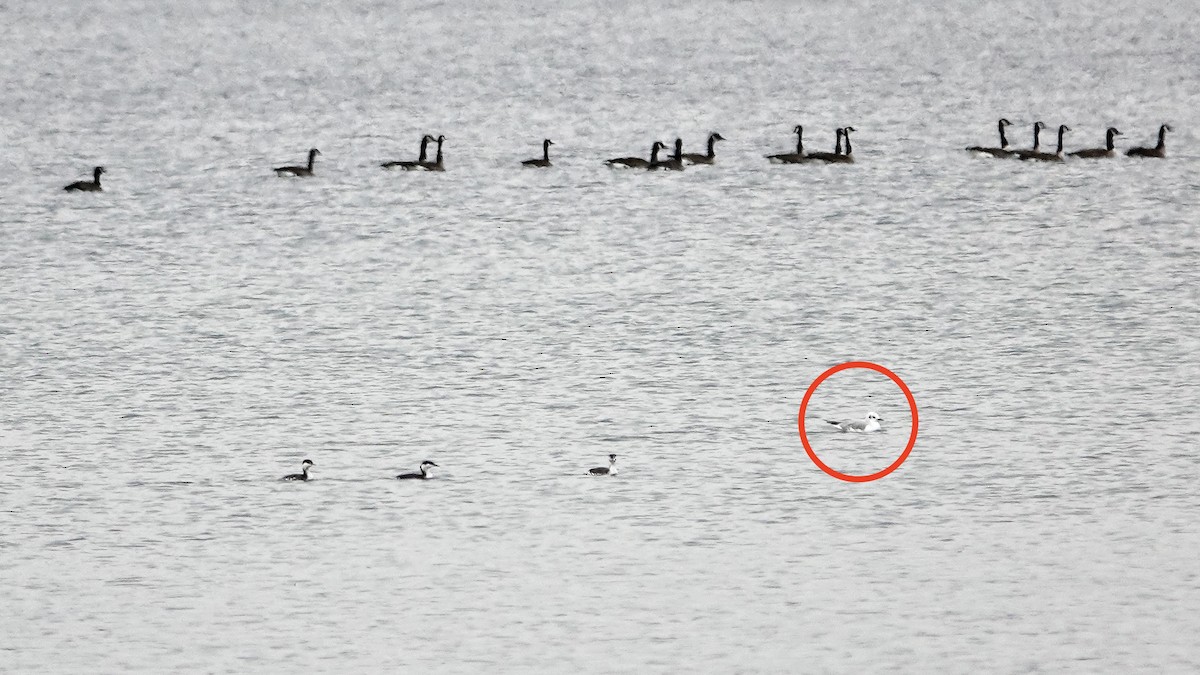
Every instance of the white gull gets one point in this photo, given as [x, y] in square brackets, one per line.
[871, 423]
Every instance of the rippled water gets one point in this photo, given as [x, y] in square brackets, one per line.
[173, 345]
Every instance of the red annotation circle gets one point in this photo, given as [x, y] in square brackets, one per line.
[912, 405]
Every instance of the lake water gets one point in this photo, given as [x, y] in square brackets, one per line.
[173, 345]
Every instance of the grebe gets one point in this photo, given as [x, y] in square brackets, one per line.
[303, 475]
[610, 470]
[424, 475]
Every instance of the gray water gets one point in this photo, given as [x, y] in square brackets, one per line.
[173, 345]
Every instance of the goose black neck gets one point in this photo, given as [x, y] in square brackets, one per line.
[1162, 137]
[312, 155]
[1003, 138]
[1109, 138]
[837, 149]
[1037, 137]
[1061, 130]
[846, 133]
[678, 150]
[424, 150]
[654, 152]
[799, 140]
[712, 142]
[546, 149]
[96, 175]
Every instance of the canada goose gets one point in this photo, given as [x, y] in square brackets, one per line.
[1159, 150]
[1037, 141]
[299, 170]
[848, 157]
[411, 166]
[436, 164]
[87, 185]
[1001, 151]
[1092, 153]
[675, 163]
[830, 156]
[1056, 156]
[710, 158]
[792, 157]
[545, 160]
[638, 162]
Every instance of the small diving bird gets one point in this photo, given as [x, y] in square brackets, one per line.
[1001, 151]
[610, 470]
[425, 474]
[87, 185]
[871, 423]
[303, 475]
[544, 161]
[710, 157]
[300, 171]
[1095, 153]
[1159, 150]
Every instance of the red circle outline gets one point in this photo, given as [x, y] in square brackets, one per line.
[912, 438]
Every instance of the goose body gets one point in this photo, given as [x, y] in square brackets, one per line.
[436, 164]
[1001, 151]
[675, 163]
[1056, 156]
[836, 156]
[1159, 150]
[792, 157]
[711, 157]
[412, 166]
[92, 185]
[545, 159]
[300, 171]
[638, 162]
[1095, 153]
[1037, 141]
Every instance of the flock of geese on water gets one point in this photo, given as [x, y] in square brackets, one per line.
[678, 159]
[426, 470]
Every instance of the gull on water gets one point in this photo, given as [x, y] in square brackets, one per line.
[870, 423]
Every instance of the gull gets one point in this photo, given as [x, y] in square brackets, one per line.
[871, 423]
